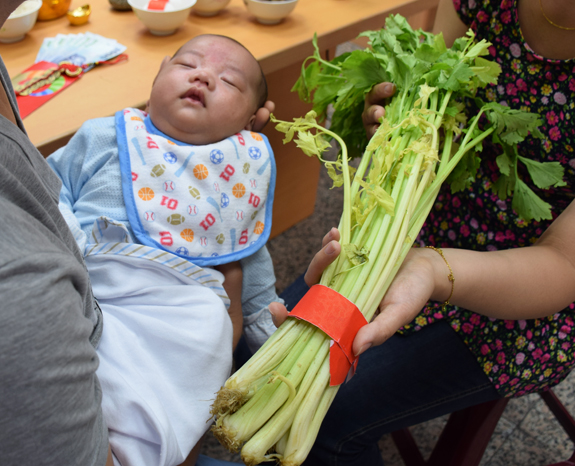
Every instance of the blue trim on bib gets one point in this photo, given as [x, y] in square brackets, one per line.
[271, 192]
[126, 174]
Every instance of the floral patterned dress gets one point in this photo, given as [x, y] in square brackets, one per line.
[527, 355]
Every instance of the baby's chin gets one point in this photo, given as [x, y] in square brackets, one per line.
[198, 136]
[179, 134]
[202, 138]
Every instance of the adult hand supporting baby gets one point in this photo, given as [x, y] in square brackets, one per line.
[263, 116]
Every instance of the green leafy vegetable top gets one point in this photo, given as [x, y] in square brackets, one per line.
[423, 68]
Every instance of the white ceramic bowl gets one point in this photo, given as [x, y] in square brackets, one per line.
[162, 22]
[270, 12]
[209, 7]
[20, 21]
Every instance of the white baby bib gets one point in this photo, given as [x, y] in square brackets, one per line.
[210, 204]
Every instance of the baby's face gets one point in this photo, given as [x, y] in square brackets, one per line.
[207, 92]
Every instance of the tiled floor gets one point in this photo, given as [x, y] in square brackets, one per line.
[527, 434]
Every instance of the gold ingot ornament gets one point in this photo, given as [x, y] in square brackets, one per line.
[52, 9]
[80, 15]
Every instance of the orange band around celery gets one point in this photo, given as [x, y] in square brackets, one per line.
[340, 319]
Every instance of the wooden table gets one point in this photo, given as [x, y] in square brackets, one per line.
[280, 50]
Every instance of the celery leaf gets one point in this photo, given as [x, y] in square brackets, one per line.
[311, 144]
[362, 69]
[528, 205]
[512, 126]
[545, 174]
[504, 164]
[356, 255]
[337, 178]
[503, 187]
[486, 70]
[460, 76]
[464, 173]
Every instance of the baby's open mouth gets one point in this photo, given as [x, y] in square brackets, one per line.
[195, 95]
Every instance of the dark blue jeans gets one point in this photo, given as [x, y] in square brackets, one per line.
[407, 380]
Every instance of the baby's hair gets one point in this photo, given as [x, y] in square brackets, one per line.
[262, 87]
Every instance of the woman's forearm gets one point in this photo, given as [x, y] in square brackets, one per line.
[513, 284]
[521, 283]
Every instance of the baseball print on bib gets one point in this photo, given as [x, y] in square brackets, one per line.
[211, 204]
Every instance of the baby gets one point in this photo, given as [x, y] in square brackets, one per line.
[171, 206]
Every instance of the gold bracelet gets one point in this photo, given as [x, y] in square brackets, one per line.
[450, 277]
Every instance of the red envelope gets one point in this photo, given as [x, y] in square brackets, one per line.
[28, 103]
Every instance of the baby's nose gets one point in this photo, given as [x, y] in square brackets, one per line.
[202, 77]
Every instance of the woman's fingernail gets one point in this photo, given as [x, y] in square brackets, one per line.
[363, 349]
[330, 249]
[388, 88]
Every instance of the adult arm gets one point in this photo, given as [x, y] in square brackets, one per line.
[50, 411]
[110, 459]
[49, 395]
[447, 22]
[521, 283]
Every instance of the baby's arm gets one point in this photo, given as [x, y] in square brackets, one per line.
[67, 163]
[79, 162]
[258, 291]
[233, 286]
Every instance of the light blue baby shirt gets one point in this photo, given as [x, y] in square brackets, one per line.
[89, 168]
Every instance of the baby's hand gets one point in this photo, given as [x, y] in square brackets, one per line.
[373, 109]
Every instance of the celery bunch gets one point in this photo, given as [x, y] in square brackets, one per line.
[273, 406]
